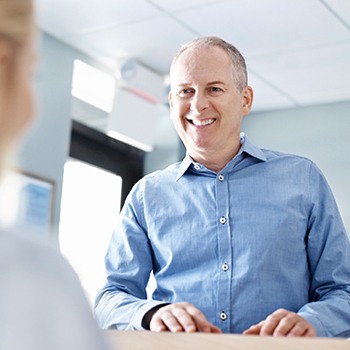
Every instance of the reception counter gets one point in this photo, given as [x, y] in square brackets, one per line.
[133, 340]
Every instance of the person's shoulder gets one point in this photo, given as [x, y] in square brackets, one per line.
[284, 156]
[164, 175]
[28, 253]
[290, 163]
[37, 265]
[35, 277]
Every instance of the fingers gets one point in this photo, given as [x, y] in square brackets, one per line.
[181, 317]
[202, 324]
[254, 330]
[283, 323]
[272, 325]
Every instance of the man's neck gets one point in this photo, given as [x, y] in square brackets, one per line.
[215, 161]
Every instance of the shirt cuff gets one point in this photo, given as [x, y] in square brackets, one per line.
[136, 321]
[318, 325]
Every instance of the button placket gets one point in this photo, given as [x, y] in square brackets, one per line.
[224, 257]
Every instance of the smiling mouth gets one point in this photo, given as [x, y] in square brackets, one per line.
[203, 122]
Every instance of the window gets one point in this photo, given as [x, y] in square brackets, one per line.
[90, 204]
[93, 86]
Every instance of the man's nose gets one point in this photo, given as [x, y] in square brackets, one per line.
[199, 102]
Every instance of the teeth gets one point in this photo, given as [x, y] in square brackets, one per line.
[203, 122]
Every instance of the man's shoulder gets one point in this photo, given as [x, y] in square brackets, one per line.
[157, 179]
[284, 162]
[285, 156]
[167, 174]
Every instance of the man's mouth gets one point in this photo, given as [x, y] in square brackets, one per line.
[202, 122]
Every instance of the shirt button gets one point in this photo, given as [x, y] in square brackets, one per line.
[221, 177]
[224, 267]
[222, 220]
[223, 316]
[197, 167]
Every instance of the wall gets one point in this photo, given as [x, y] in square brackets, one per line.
[167, 143]
[46, 146]
[319, 132]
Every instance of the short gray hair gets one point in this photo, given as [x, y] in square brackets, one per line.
[238, 62]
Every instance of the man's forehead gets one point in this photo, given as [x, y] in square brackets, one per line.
[207, 64]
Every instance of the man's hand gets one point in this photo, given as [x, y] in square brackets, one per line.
[283, 323]
[181, 317]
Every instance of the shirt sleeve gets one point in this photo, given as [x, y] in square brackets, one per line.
[122, 303]
[329, 261]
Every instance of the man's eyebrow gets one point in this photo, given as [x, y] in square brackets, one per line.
[215, 82]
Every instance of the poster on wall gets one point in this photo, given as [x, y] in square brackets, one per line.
[35, 202]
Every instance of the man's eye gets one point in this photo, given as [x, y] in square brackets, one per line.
[185, 92]
[215, 89]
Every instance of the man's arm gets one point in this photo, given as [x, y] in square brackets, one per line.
[328, 251]
[123, 302]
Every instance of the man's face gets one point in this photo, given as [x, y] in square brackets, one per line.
[206, 107]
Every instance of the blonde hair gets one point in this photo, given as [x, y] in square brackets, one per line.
[16, 21]
[16, 28]
[238, 62]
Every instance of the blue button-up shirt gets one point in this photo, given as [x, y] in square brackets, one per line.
[264, 233]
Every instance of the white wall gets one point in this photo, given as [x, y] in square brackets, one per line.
[321, 133]
[46, 146]
[167, 143]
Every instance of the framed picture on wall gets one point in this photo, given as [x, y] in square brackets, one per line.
[35, 202]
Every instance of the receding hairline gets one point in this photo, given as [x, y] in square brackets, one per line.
[237, 60]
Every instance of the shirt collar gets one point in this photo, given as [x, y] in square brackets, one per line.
[185, 164]
[246, 147]
[250, 148]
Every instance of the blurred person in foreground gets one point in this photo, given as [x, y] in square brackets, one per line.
[42, 304]
[240, 239]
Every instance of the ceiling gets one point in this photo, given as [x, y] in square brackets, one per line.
[297, 51]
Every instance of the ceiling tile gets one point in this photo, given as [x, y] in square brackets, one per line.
[152, 42]
[260, 27]
[341, 8]
[310, 76]
[64, 17]
[265, 96]
[174, 6]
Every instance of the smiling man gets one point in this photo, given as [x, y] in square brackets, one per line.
[208, 104]
[240, 240]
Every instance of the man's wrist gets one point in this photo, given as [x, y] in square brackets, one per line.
[146, 320]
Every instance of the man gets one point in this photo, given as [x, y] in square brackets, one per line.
[239, 239]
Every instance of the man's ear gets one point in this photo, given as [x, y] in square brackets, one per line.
[170, 98]
[248, 96]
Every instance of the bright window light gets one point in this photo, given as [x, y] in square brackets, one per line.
[93, 86]
[89, 207]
